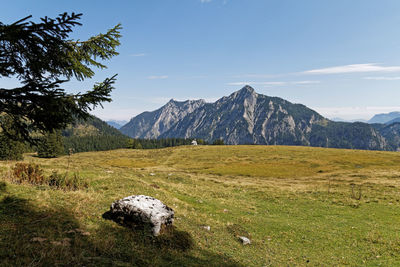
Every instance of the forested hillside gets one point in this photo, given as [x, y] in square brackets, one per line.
[92, 134]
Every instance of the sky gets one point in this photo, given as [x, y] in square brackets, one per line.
[340, 58]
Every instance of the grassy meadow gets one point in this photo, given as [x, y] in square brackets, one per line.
[300, 206]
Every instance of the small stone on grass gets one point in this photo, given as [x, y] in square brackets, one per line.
[244, 240]
[206, 227]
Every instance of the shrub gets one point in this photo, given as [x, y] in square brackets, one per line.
[218, 142]
[66, 182]
[33, 174]
[30, 173]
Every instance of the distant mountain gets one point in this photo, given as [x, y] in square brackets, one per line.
[393, 121]
[384, 117]
[338, 119]
[343, 120]
[246, 117]
[116, 124]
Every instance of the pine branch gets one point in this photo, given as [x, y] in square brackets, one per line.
[42, 57]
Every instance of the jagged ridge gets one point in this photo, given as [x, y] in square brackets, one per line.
[245, 117]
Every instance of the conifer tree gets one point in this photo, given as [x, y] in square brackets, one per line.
[51, 145]
[218, 142]
[42, 57]
[10, 149]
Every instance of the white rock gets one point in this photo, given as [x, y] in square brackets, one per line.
[245, 240]
[207, 227]
[142, 209]
[152, 174]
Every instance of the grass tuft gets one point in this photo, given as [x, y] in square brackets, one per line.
[66, 182]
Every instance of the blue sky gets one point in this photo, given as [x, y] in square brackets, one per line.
[341, 58]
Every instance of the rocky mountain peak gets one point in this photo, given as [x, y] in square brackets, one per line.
[247, 89]
[153, 124]
[245, 92]
[186, 102]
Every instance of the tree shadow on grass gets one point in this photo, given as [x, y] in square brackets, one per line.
[32, 236]
[41, 236]
[171, 237]
[3, 187]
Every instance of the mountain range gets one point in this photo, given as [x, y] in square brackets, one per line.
[116, 123]
[246, 117]
[344, 120]
[386, 118]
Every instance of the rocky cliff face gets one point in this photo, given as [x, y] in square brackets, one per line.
[391, 133]
[246, 117]
[152, 124]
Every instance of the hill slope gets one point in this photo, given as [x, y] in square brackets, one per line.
[92, 134]
[93, 126]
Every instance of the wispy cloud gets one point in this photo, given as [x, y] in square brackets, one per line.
[224, 2]
[383, 78]
[305, 82]
[260, 76]
[138, 55]
[157, 77]
[276, 83]
[192, 77]
[354, 68]
[255, 83]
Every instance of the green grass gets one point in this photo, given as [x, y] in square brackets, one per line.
[295, 204]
